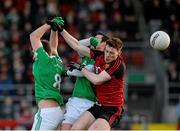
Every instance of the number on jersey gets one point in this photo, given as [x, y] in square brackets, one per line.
[57, 83]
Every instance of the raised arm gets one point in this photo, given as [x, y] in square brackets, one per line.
[35, 36]
[53, 42]
[74, 43]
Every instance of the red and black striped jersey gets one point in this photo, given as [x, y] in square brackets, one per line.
[111, 92]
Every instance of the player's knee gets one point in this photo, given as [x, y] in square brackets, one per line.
[66, 126]
[100, 124]
[77, 127]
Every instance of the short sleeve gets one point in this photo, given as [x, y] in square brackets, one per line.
[56, 55]
[120, 71]
[114, 67]
[95, 53]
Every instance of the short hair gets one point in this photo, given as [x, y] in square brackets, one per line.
[104, 36]
[115, 43]
[46, 46]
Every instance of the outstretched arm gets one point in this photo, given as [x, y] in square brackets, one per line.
[96, 79]
[74, 43]
[35, 36]
[53, 42]
[117, 70]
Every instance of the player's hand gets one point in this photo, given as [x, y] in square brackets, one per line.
[94, 42]
[58, 20]
[56, 24]
[60, 28]
[74, 72]
[60, 23]
[52, 24]
[77, 66]
[73, 66]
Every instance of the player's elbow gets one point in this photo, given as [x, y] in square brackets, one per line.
[75, 47]
[100, 80]
[32, 36]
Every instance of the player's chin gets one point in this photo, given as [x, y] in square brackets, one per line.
[108, 60]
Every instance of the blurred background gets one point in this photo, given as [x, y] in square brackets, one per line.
[152, 87]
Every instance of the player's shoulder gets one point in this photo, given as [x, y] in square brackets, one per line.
[97, 52]
[55, 58]
[40, 49]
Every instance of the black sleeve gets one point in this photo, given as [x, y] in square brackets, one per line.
[95, 53]
[120, 71]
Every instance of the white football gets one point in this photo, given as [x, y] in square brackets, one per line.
[160, 40]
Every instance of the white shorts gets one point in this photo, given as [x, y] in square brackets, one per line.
[48, 118]
[75, 107]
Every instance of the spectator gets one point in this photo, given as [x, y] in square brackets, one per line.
[7, 108]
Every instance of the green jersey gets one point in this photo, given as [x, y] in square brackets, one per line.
[83, 87]
[47, 71]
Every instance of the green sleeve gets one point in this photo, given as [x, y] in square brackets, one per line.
[56, 55]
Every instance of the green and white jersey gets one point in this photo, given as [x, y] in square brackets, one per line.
[83, 87]
[47, 71]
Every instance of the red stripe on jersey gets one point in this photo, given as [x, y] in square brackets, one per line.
[115, 116]
[111, 93]
[91, 54]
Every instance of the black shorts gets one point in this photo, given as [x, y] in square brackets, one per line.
[110, 113]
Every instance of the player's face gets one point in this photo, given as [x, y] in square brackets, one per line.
[110, 54]
[101, 45]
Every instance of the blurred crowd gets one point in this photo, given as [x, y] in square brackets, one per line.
[83, 18]
[18, 18]
[164, 15]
